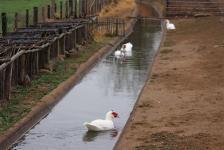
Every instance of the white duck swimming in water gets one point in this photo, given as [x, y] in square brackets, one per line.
[102, 125]
[119, 54]
[127, 47]
[169, 26]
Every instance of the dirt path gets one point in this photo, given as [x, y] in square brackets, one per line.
[182, 105]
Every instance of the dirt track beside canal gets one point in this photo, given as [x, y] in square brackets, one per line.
[182, 105]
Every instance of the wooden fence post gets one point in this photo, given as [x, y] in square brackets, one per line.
[94, 8]
[8, 80]
[85, 8]
[52, 8]
[75, 16]
[16, 21]
[61, 9]
[80, 9]
[43, 14]
[4, 24]
[116, 30]
[108, 25]
[48, 11]
[55, 8]
[70, 3]
[99, 5]
[95, 5]
[35, 16]
[66, 9]
[123, 22]
[1, 85]
[22, 75]
[27, 18]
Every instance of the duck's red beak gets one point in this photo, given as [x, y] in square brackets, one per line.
[115, 115]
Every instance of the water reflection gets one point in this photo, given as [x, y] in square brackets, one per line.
[91, 136]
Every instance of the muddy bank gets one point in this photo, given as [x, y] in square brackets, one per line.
[181, 106]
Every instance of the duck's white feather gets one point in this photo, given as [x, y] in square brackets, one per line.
[99, 125]
[91, 127]
[118, 54]
[127, 47]
[169, 25]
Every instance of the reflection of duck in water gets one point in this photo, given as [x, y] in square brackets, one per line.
[92, 136]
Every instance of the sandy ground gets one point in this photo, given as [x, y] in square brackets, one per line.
[182, 105]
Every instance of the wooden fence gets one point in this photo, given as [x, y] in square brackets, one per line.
[111, 26]
[27, 50]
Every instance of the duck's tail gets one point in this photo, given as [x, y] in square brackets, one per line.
[85, 123]
[90, 127]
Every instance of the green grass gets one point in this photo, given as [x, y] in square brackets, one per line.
[12, 6]
[20, 6]
[24, 98]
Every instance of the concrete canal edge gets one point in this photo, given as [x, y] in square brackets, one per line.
[43, 108]
[116, 147]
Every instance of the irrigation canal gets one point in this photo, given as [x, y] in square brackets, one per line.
[109, 85]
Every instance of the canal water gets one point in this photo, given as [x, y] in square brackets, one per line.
[110, 85]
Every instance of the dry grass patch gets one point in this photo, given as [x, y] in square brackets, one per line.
[123, 9]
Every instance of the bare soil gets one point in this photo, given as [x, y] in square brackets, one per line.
[182, 105]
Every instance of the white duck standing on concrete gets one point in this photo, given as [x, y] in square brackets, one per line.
[102, 125]
[169, 26]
